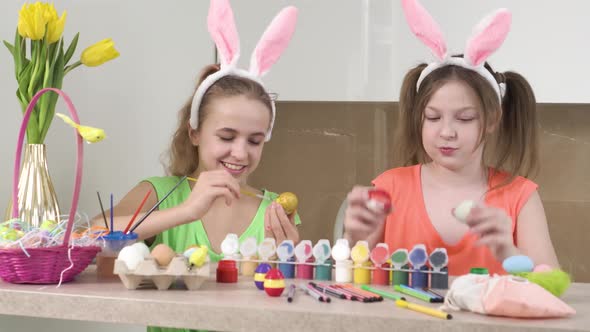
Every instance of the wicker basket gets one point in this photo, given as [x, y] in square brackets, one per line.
[48, 265]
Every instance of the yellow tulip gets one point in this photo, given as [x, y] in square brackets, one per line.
[32, 21]
[55, 28]
[99, 53]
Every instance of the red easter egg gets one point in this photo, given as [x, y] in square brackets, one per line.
[381, 197]
[274, 283]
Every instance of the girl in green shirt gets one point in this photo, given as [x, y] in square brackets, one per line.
[223, 148]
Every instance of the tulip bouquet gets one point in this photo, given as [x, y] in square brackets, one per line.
[42, 59]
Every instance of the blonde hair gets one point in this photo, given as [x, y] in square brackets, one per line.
[512, 147]
[183, 156]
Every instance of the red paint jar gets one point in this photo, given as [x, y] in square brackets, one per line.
[227, 271]
[380, 276]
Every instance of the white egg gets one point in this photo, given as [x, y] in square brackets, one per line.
[131, 256]
[463, 209]
[143, 249]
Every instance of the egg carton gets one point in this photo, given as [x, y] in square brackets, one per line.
[148, 270]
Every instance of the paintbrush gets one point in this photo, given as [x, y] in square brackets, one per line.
[243, 191]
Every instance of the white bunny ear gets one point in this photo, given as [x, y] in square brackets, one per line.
[274, 41]
[425, 27]
[222, 28]
[488, 35]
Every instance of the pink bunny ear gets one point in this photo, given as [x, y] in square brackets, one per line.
[488, 36]
[222, 28]
[274, 41]
[425, 27]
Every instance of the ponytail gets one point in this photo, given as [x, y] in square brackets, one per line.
[517, 148]
[408, 143]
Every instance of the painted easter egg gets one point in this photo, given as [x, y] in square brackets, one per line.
[189, 251]
[517, 264]
[260, 274]
[288, 201]
[379, 200]
[462, 210]
[48, 225]
[274, 283]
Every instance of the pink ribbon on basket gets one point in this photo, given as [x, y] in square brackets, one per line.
[79, 156]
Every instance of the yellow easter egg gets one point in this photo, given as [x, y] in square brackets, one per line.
[48, 225]
[199, 256]
[288, 201]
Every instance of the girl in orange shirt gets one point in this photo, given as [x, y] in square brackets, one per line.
[466, 132]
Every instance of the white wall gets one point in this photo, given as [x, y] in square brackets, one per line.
[342, 50]
[547, 43]
[361, 49]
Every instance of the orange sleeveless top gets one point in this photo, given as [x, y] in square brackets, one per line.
[409, 223]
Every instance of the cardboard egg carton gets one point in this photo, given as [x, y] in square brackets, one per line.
[162, 277]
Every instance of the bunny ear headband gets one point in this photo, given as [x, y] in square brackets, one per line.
[273, 42]
[488, 35]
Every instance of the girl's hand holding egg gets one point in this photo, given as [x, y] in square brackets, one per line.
[365, 214]
[492, 225]
[279, 218]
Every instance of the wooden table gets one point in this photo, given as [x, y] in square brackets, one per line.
[242, 307]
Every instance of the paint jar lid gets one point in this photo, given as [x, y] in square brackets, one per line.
[479, 270]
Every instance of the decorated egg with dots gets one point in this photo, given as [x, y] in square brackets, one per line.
[260, 274]
[274, 283]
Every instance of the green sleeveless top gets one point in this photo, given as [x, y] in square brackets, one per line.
[181, 237]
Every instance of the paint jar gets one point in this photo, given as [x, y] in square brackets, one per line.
[440, 280]
[343, 271]
[323, 271]
[381, 276]
[248, 267]
[419, 278]
[362, 273]
[111, 244]
[401, 277]
[288, 269]
[305, 270]
[227, 271]
[115, 241]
